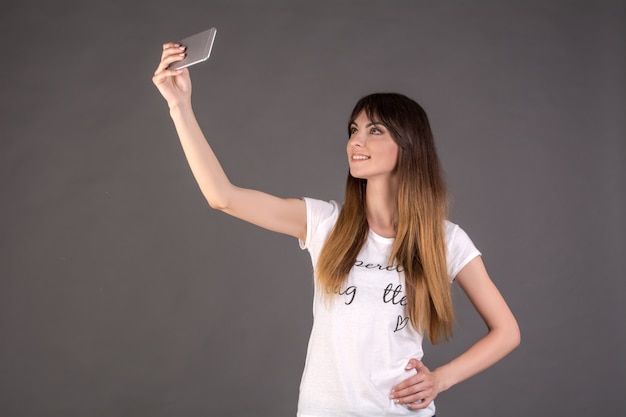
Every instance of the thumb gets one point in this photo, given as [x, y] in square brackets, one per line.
[413, 364]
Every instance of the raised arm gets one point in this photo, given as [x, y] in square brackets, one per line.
[281, 215]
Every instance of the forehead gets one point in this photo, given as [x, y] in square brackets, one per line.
[363, 118]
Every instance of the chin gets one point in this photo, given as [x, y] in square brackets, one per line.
[360, 177]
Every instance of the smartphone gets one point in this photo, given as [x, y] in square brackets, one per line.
[198, 49]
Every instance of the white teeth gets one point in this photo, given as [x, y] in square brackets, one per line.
[360, 157]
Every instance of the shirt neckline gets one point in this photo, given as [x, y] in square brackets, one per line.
[379, 238]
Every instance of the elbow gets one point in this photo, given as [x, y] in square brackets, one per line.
[217, 204]
[515, 336]
[514, 342]
[218, 200]
[508, 336]
[218, 197]
[518, 338]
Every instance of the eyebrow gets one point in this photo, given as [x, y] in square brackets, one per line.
[374, 123]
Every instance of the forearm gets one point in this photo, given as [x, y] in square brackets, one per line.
[204, 165]
[487, 351]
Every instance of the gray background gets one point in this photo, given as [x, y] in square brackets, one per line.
[122, 294]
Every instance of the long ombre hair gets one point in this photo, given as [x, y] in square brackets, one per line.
[419, 245]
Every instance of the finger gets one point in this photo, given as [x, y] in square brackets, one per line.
[162, 76]
[417, 383]
[415, 377]
[172, 45]
[419, 404]
[173, 54]
[420, 395]
[414, 364]
[172, 48]
[421, 374]
[416, 391]
[412, 392]
[167, 61]
[407, 383]
[168, 45]
[172, 76]
[180, 51]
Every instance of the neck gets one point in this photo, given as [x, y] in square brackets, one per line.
[381, 206]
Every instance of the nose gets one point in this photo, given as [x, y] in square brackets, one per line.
[357, 139]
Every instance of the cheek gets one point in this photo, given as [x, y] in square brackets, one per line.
[394, 153]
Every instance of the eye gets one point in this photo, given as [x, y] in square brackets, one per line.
[376, 131]
[351, 130]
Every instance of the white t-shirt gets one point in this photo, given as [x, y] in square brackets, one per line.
[362, 339]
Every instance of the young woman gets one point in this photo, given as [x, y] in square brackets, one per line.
[383, 261]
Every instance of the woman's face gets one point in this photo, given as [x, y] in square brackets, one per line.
[372, 152]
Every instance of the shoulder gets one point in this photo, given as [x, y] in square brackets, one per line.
[454, 233]
[321, 216]
[460, 249]
[321, 208]
[318, 211]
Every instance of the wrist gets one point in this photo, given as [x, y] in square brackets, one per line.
[179, 106]
[443, 378]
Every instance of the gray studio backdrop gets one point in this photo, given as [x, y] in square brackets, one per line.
[123, 294]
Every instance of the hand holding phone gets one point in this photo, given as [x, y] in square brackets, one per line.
[198, 49]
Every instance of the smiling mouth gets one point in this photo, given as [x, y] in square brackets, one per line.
[360, 157]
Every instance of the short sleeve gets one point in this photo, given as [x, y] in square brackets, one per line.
[460, 249]
[320, 218]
